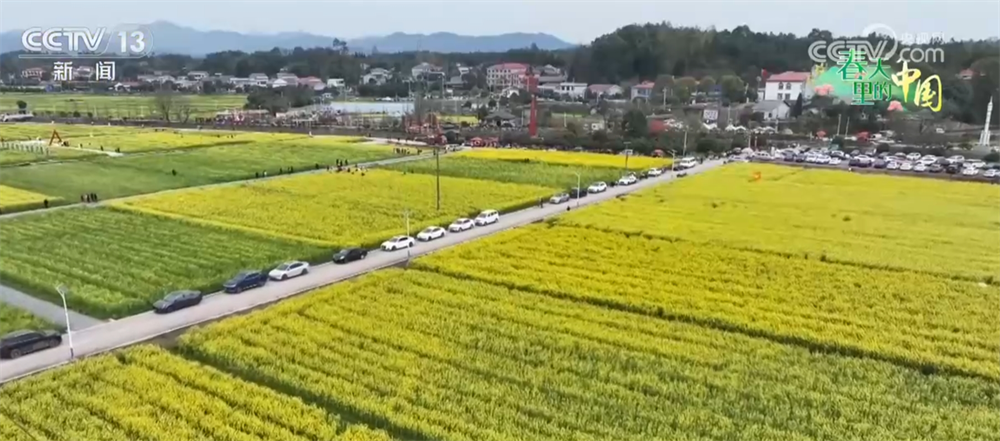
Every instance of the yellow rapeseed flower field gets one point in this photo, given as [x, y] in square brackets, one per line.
[876, 221]
[147, 393]
[567, 158]
[445, 358]
[911, 318]
[330, 208]
[11, 197]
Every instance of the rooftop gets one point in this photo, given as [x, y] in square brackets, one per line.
[790, 77]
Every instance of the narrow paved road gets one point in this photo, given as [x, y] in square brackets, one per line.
[141, 327]
[48, 311]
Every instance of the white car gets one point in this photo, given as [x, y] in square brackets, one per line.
[913, 156]
[991, 173]
[597, 187]
[956, 158]
[288, 270]
[398, 243]
[687, 163]
[892, 165]
[463, 224]
[970, 171]
[487, 217]
[928, 160]
[835, 161]
[920, 167]
[559, 198]
[654, 172]
[431, 233]
[627, 180]
[906, 166]
[975, 163]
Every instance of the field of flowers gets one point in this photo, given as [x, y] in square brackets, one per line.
[435, 357]
[116, 263]
[567, 158]
[338, 209]
[116, 106]
[12, 199]
[914, 319]
[555, 176]
[145, 393]
[146, 173]
[12, 319]
[924, 225]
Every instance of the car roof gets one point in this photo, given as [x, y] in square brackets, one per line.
[18, 333]
[182, 292]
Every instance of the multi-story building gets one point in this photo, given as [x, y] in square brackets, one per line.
[643, 91]
[572, 90]
[505, 75]
[787, 86]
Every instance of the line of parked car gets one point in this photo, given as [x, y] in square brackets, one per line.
[914, 162]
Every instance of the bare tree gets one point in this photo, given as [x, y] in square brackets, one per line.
[164, 102]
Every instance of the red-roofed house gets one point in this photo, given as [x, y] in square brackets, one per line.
[643, 90]
[787, 86]
[505, 75]
[606, 90]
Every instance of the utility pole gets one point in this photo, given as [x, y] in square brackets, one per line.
[684, 152]
[578, 190]
[63, 291]
[437, 159]
[406, 213]
[838, 124]
[664, 97]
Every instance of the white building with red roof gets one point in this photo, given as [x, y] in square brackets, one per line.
[787, 86]
[506, 75]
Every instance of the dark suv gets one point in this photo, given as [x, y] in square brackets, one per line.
[349, 255]
[245, 280]
[18, 343]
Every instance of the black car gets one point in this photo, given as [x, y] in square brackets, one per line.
[350, 255]
[245, 280]
[789, 158]
[577, 192]
[18, 343]
[880, 164]
[951, 169]
[935, 168]
[800, 158]
[177, 300]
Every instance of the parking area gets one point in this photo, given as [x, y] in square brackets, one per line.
[913, 164]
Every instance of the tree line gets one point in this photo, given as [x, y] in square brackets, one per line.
[680, 60]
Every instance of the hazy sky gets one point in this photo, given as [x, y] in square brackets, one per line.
[574, 21]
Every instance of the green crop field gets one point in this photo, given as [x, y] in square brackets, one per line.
[14, 319]
[116, 263]
[116, 106]
[556, 176]
[147, 173]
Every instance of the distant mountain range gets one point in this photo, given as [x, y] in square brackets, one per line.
[174, 39]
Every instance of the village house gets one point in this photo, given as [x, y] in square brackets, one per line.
[643, 91]
[377, 76]
[258, 79]
[33, 72]
[787, 86]
[605, 90]
[504, 75]
[773, 110]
